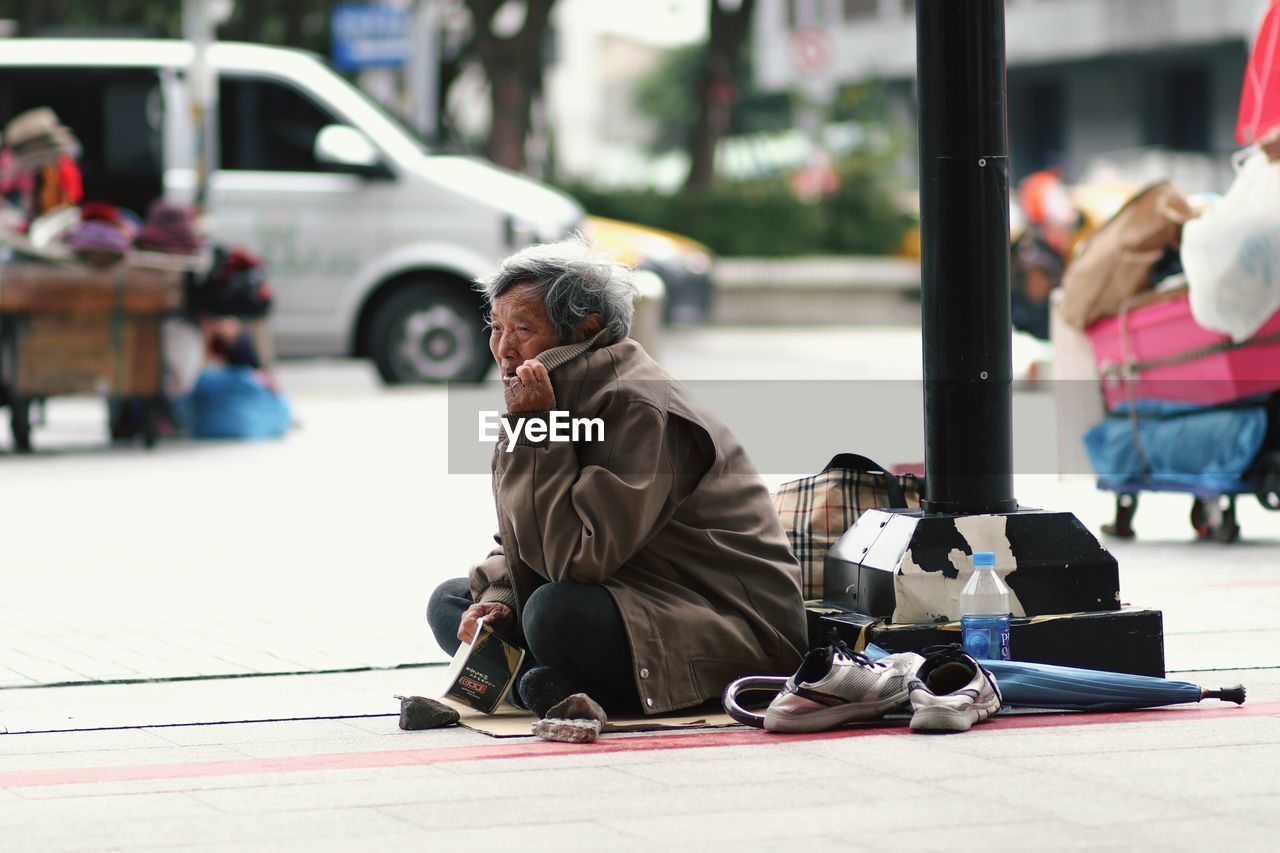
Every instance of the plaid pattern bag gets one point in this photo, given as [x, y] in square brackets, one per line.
[816, 511]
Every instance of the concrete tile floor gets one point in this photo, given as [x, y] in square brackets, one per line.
[1120, 783]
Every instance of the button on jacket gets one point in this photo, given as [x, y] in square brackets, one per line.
[666, 512]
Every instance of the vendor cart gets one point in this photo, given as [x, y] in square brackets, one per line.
[1160, 371]
[1213, 509]
[68, 329]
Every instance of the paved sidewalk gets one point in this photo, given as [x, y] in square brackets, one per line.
[1177, 780]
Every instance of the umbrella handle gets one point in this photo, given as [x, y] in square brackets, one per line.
[1226, 694]
[750, 684]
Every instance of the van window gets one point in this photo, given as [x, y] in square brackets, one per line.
[116, 113]
[268, 126]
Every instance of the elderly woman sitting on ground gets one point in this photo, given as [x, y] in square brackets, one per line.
[646, 566]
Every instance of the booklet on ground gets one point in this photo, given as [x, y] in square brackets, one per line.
[482, 673]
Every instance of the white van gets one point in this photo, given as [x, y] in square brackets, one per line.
[371, 241]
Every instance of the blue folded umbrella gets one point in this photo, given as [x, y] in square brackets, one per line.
[1065, 688]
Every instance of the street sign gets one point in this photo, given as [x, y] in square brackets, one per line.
[369, 37]
[812, 51]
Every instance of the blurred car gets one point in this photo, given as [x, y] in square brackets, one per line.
[372, 239]
[684, 265]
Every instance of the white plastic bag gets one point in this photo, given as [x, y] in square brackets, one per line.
[1231, 253]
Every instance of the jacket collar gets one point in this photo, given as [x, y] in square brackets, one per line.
[556, 356]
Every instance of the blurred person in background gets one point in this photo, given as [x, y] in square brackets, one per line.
[235, 395]
[1039, 252]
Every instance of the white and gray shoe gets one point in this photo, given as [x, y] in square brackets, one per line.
[951, 691]
[835, 685]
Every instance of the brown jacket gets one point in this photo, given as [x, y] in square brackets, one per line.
[667, 513]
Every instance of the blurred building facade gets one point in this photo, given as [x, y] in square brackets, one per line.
[598, 131]
[1089, 80]
[602, 50]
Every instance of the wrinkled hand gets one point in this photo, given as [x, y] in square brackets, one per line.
[495, 614]
[530, 390]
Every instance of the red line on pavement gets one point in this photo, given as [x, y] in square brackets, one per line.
[533, 749]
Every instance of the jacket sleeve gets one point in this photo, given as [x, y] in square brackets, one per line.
[490, 581]
[576, 523]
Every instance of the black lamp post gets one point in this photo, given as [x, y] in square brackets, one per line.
[1053, 564]
[964, 225]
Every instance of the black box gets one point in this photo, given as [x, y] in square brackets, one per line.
[815, 613]
[1061, 566]
[1125, 640]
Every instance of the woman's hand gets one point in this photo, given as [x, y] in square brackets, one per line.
[495, 614]
[530, 390]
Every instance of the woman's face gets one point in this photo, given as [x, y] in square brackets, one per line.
[520, 329]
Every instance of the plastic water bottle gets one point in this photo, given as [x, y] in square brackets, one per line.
[984, 609]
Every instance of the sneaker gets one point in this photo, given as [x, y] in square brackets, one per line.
[951, 692]
[835, 685]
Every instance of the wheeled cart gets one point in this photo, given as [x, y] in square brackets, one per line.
[70, 329]
[1213, 511]
[1155, 354]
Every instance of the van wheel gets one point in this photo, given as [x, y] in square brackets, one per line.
[429, 333]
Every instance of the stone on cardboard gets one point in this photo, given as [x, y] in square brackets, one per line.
[579, 706]
[568, 731]
[419, 712]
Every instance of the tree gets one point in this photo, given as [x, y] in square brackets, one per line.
[513, 65]
[295, 23]
[93, 17]
[667, 96]
[716, 89]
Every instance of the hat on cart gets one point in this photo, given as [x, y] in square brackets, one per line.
[105, 211]
[170, 227]
[36, 137]
[98, 241]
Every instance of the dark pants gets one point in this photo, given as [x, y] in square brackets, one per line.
[573, 628]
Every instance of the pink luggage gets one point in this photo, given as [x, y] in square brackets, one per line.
[1154, 350]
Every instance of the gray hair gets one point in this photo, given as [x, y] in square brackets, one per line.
[575, 282]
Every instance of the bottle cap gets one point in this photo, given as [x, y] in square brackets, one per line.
[984, 559]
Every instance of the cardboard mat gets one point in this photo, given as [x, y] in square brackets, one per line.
[510, 721]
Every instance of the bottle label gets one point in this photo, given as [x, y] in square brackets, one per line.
[986, 638]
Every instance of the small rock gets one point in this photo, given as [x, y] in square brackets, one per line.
[419, 712]
[579, 706]
[568, 731]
